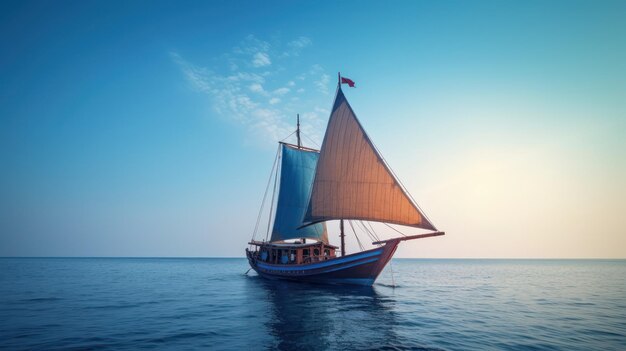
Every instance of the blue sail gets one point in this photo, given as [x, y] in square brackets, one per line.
[297, 171]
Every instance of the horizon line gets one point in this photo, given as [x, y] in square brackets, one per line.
[399, 258]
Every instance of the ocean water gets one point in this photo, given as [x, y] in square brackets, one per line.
[164, 303]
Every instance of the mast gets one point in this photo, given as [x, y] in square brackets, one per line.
[298, 131]
[343, 236]
[299, 147]
[342, 233]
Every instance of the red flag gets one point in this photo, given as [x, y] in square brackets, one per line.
[348, 81]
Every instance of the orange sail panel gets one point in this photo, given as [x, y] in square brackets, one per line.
[353, 182]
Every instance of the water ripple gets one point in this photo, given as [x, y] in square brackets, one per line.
[130, 304]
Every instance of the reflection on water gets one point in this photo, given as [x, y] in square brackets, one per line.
[190, 304]
[301, 316]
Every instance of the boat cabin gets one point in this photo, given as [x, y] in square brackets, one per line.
[292, 253]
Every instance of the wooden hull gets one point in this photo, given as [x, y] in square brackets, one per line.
[360, 268]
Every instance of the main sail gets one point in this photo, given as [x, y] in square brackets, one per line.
[352, 181]
[297, 170]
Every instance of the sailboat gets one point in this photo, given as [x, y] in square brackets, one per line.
[347, 179]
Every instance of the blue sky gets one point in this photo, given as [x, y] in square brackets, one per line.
[149, 128]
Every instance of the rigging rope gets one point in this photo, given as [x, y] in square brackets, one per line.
[394, 229]
[311, 140]
[393, 281]
[269, 181]
[399, 181]
[373, 231]
[355, 235]
[366, 232]
[370, 234]
[269, 221]
[294, 132]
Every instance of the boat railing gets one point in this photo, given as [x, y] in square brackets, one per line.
[257, 255]
[313, 259]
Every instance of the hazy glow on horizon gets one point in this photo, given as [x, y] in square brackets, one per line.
[150, 131]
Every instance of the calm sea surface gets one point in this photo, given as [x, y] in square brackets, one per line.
[129, 304]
